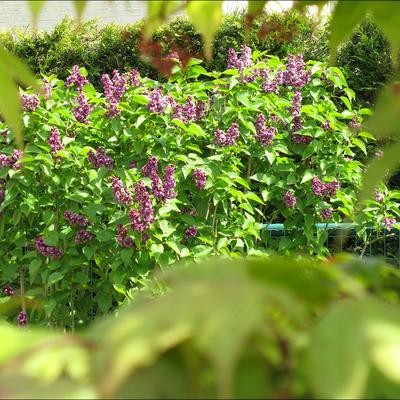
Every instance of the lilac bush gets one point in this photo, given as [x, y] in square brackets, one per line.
[114, 185]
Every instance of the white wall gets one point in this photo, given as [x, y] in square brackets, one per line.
[16, 13]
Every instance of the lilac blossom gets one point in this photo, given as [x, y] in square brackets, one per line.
[326, 214]
[295, 110]
[100, 159]
[76, 78]
[301, 139]
[229, 138]
[114, 89]
[199, 178]
[388, 222]
[47, 251]
[241, 62]
[55, 141]
[8, 290]
[75, 219]
[142, 218]
[157, 102]
[47, 89]
[169, 183]
[264, 135]
[132, 164]
[271, 86]
[150, 168]
[295, 74]
[191, 232]
[11, 161]
[83, 236]
[289, 199]
[326, 126]
[22, 318]
[324, 189]
[134, 77]
[30, 102]
[355, 124]
[82, 109]
[121, 194]
[123, 239]
[379, 197]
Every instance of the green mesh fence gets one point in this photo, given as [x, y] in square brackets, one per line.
[342, 237]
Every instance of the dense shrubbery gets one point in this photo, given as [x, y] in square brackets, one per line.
[365, 57]
[111, 185]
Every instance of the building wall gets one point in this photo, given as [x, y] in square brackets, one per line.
[16, 14]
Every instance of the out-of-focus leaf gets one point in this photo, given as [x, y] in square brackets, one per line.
[386, 118]
[158, 12]
[354, 336]
[206, 16]
[203, 305]
[379, 168]
[12, 70]
[346, 16]
[80, 6]
[35, 8]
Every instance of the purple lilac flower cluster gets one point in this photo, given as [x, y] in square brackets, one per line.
[326, 126]
[157, 101]
[326, 214]
[271, 86]
[76, 78]
[55, 141]
[388, 222]
[100, 159]
[162, 190]
[134, 77]
[199, 178]
[191, 232]
[229, 138]
[83, 236]
[8, 290]
[121, 194]
[11, 161]
[295, 74]
[190, 111]
[289, 199]
[75, 219]
[123, 239]
[355, 124]
[241, 62]
[47, 89]
[114, 89]
[47, 251]
[264, 135]
[82, 109]
[30, 102]
[301, 139]
[249, 78]
[324, 189]
[22, 318]
[141, 219]
[295, 110]
[379, 197]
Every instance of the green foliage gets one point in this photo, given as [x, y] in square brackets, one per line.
[273, 328]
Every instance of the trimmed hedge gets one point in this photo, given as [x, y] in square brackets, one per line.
[102, 49]
[365, 58]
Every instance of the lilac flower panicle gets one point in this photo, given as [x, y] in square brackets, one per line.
[100, 159]
[379, 197]
[82, 109]
[132, 164]
[30, 102]
[275, 118]
[55, 141]
[271, 86]
[229, 137]
[121, 194]
[157, 102]
[76, 78]
[199, 178]
[75, 219]
[301, 139]
[47, 89]
[264, 135]
[241, 62]
[11, 161]
[324, 189]
[8, 291]
[389, 222]
[191, 232]
[326, 214]
[289, 199]
[150, 168]
[233, 61]
[123, 239]
[22, 318]
[326, 126]
[83, 236]
[47, 251]
[144, 216]
[355, 124]
[134, 77]
[317, 186]
[295, 74]
[114, 88]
